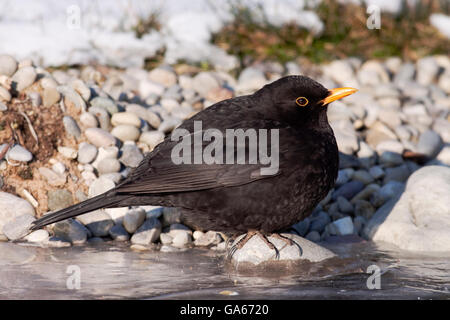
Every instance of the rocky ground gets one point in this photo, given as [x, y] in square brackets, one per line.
[67, 135]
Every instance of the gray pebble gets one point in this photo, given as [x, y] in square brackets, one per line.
[344, 205]
[108, 165]
[38, 236]
[147, 233]
[8, 65]
[98, 222]
[302, 227]
[23, 78]
[133, 219]
[348, 190]
[86, 153]
[19, 153]
[313, 236]
[71, 127]
[59, 199]
[364, 208]
[131, 156]
[430, 143]
[71, 230]
[119, 233]
[18, 227]
[400, 173]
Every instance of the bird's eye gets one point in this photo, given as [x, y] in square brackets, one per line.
[301, 101]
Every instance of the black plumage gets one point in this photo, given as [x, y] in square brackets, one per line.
[237, 198]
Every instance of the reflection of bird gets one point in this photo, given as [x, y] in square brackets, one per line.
[238, 198]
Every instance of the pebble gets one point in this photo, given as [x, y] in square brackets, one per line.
[388, 191]
[56, 242]
[108, 165]
[19, 153]
[23, 78]
[148, 87]
[390, 159]
[117, 214]
[38, 236]
[364, 208]
[319, 222]
[152, 138]
[68, 152]
[88, 120]
[99, 137]
[59, 199]
[302, 227]
[18, 227]
[399, 173]
[71, 126]
[98, 222]
[86, 153]
[71, 97]
[133, 219]
[207, 239]
[125, 132]
[344, 205]
[127, 118]
[430, 143]
[119, 233]
[376, 172]
[8, 65]
[59, 167]
[131, 155]
[363, 176]
[105, 103]
[100, 185]
[181, 239]
[343, 226]
[71, 230]
[348, 190]
[205, 82]
[80, 87]
[164, 76]
[165, 238]
[344, 176]
[147, 233]
[102, 117]
[313, 236]
[53, 178]
[4, 96]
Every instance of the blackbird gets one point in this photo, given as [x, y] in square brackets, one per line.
[231, 196]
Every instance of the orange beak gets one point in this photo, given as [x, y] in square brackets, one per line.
[338, 93]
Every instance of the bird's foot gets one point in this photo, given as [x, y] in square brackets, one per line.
[241, 243]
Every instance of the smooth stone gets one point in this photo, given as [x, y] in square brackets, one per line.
[68, 152]
[133, 219]
[343, 226]
[59, 167]
[177, 228]
[348, 190]
[147, 88]
[345, 135]
[147, 233]
[71, 230]
[59, 199]
[165, 238]
[405, 73]
[125, 132]
[313, 236]
[205, 82]
[419, 220]
[430, 143]
[152, 138]
[117, 214]
[88, 120]
[38, 236]
[12, 207]
[442, 127]
[86, 153]
[386, 192]
[4, 95]
[164, 76]
[104, 153]
[444, 156]
[391, 146]
[344, 176]
[18, 227]
[79, 86]
[119, 233]
[100, 137]
[319, 222]
[100, 185]
[127, 118]
[302, 227]
[53, 178]
[376, 172]
[344, 205]
[71, 126]
[108, 165]
[105, 103]
[131, 156]
[170, 216]
[19, 153]
[400, 173]
[255, 251]
[363, 176]
[168, 124]
[23, 78]
[8, 65]
[208, 239]
[427, 70]
[347, 161]
[56, 242]
[72, 97]
[102, 117]
[379, 132]
[153, 211]
[364, 208]
[181, 239]
[390, 159]
[98, 222]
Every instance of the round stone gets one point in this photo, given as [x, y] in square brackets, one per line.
[100, 137]
[125, 132]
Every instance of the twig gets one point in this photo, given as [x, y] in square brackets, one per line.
[33, 132]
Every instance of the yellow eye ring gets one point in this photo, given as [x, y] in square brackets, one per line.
[301, 101]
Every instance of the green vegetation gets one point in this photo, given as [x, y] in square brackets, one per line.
[408, 35]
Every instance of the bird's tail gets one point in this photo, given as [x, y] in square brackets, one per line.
[105, 200]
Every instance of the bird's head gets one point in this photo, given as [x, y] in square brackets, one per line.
[297, 99]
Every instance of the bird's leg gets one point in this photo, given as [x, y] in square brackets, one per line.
[288, 241]
[240, 244]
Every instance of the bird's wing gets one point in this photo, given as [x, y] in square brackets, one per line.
[159, 174]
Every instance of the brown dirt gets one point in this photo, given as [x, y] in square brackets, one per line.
[47, 123]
